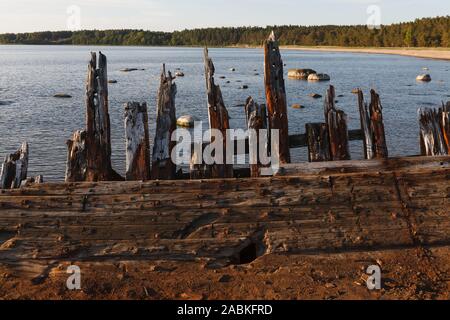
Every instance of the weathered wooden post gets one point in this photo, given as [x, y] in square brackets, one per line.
[445, 124]
[163, 167]
[76, 165]
[14, 168]
[276, 95]
[366, 127]
[372, 126]
[318, 142]
[337, 128]
[218, 117]
[377, 125]
[137, 142]
[256, 116]
[432, 141]
[97, 136]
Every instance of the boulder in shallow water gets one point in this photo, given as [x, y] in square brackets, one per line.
[179, 74]
[300, 74]
[297, 106]
[315, 95]
[319, 77]
[62, 95]
[112, 81]
[424, 77]
[186, 121]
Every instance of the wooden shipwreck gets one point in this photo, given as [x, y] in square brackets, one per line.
[330, 205]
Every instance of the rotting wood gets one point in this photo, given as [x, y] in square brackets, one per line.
[377, 126]
[15, 168]
[432, 141]
[76, 164]
[445, 124]
[137, 141]
[163, 167]
[276, 96]
[318, 142]
[216, 219]
[218, 118]
[256, 116]
[97, 135]
[366, 127]
[31, 181]
[372, 126]
[336, 121]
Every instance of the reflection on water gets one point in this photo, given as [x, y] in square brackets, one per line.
[31, 75]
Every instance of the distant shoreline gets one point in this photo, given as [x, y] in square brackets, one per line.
[416, 52]
[425, 53]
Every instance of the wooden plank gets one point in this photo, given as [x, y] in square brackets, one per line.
[137, 141]
[163, 167]
[276, 95]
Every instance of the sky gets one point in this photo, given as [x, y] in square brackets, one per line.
[169, 15]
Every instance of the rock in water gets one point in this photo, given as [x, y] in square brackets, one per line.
[129, 69]
[186, 121]
[319, 77]
[424, 77]
[315, 95]
[300, 74]
[297, 106]
[179, 74]
[62, 95]
[112, 81]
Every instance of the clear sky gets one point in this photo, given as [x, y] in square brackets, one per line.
[169, 15]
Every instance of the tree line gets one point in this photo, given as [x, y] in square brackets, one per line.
[426, 32]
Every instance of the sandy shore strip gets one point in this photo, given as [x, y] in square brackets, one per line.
[427, 53]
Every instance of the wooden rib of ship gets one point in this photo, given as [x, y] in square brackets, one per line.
[215, 213]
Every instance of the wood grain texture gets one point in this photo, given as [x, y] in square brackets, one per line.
[276, 95]
[320, 207]
[137, 141]
[218, 117]
[15, 168]
[166, 123]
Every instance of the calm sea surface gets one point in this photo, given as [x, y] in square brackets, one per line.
[31, 75]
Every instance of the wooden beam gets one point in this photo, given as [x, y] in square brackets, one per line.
[276, 95]
[15, 168]
[337, 128]
[318, 142]
[137, 142]
[218, 117]
[256, 116]
[163, 167]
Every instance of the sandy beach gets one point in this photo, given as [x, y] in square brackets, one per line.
[427, 53]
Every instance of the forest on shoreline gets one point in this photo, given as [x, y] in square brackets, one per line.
[426, 32]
